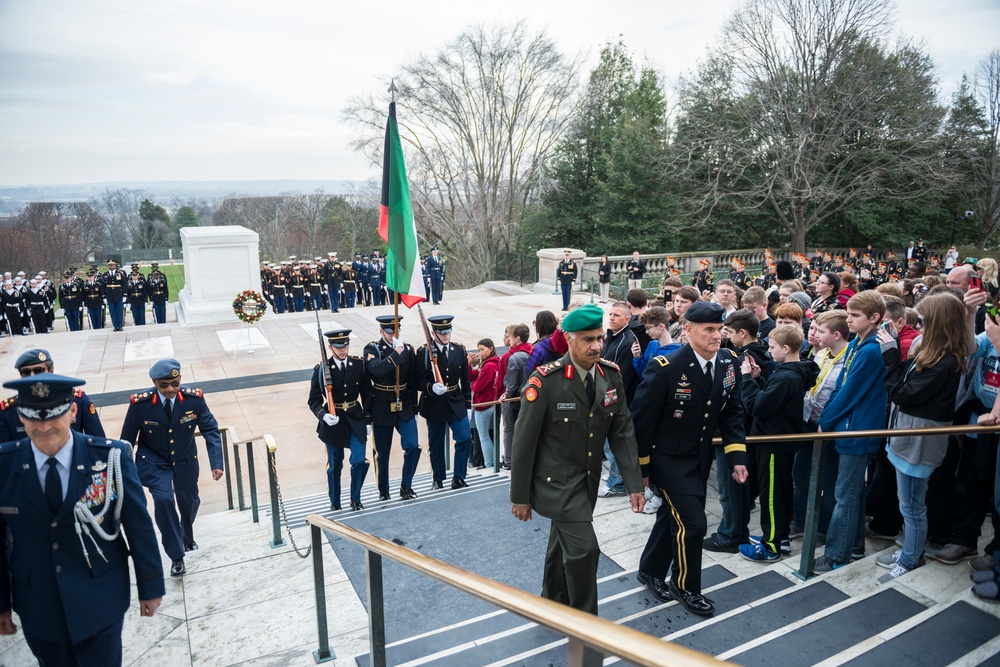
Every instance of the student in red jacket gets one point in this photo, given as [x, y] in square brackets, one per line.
[483, 368]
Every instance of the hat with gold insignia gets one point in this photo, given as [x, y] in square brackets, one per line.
[32, 357]
[338, 338]
[165, 369]
[387, 322]
[44, 396]
[441, 323]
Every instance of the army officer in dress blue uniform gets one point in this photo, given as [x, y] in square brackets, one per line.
[34, 362]
[568, 408]
[161, 422]
[446, 403]
[348, 425]
[64, 499]
[677, 408]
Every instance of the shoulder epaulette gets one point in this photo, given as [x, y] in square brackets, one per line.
[143, 396]
[609, 364]
[12, 446]
[192, 391]
[732, 352]
[8, 403]
[662, 361]
[101, 442]
[356, 358]
[548, 368]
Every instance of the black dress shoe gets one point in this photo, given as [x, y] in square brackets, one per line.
[693, 602]
[437, 485]
[656, 586]
[334, 508]
[384, 496]
[357, 506]
[407, 494]
[193, 546]
[177, 568]
[458, 483]
[712, 544]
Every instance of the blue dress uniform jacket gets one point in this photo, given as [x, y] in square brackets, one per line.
[676, 412]
[159, 443]
[58, 597]
[559, 439]
[352, 396]
[86, 422]
[457, 400]
[381, 361]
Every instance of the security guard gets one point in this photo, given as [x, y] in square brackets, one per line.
[435, 271]
[135, 292]
[677, 408]
[158, 291]
[568, 408]
[64, 499]
[37, 362]
[566, 273]
[446, 403]
[114, 294]
[392, 367]
[93, 299]
[160, 423]
[71, 300]
[349, 423]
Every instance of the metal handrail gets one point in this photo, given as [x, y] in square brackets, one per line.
[874, 433]
[580, 628]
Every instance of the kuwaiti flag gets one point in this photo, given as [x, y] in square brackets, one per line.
[395, 222]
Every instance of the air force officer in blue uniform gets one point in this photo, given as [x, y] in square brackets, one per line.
[64, 499]
[161, 422]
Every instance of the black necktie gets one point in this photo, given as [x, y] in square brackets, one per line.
[708, 371]
[169, 410]
[588, 384]
[53, 486]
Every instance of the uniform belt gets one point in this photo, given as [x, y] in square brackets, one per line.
[388, 387]
[345, 406]
[453, 387]
[114, 286]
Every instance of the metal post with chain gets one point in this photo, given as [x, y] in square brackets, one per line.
[276, 491]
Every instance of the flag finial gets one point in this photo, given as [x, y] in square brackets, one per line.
[392, 89]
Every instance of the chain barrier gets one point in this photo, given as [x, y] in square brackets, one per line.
[284, 516]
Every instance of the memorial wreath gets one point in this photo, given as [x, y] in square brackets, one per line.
[257, 306]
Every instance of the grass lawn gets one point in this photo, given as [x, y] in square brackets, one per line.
[174, 274]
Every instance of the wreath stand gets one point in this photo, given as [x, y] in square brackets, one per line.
[249, 327]
[249, 307]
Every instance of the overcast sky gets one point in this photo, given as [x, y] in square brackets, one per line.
[127, 90]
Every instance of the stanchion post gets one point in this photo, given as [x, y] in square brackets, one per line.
[253, 483]
[225, 463]
[272, 483]
[808, 557]
[323, 652]
[239, 475]
[497, 437]
[376, 609]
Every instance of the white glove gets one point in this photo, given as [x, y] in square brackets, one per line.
[330, 420]
[438, 388]
[397, 343]
[368, 429]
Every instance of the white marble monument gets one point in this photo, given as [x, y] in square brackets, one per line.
[219, 263]
[548, 265]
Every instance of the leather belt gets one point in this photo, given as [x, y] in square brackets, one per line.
[453, 387]
[345, 406]
[388, 387]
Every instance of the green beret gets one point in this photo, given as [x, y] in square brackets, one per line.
[584, 318]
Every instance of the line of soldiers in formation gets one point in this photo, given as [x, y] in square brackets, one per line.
[295, 285]
[29, 306]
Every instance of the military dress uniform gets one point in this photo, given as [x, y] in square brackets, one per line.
[167, 458]
[158, 291]
[93, 299]
[556, 465]
[71, 301]
[37, 301]
[297, 288]
[135, 292]
[435, 271]
[566, 273]
[393, 407]
[114, 294]
[703, 279]
[331, 276]
[450, 408]
[70, 597]
[13, 301]
[677, 410]
[352, 402]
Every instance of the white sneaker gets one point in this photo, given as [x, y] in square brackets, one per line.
[652, 505]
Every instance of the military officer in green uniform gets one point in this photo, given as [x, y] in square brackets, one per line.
[568, 408]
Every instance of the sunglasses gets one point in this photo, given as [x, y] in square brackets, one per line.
[33, 370]
[167, 385]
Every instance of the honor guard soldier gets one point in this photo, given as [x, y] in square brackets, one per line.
[36, 362]
[446, 403]
[348, 424]
[37, 302]
[331, 276]
[392, 367]
[68, 502]
[135, 293]
[703, 279]
[566, 274]
[279, 291]
[93, 299]
[71, 301]
[738, 273]
[316, 285]
[161, 423]
[435, 270]
[568, 408]
[159, 292]
[682, 399]
[365, 281]
[297, 288]
[358, 267]
[114, 294]
[377, 280]
[349, 285]
[816, 263]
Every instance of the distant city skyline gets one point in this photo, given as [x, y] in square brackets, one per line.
[231, 90]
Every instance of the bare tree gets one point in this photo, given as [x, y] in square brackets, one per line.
[985, 167]
[119, 208]
[804, 111]
[478, 120]
[264, 215]
[305, 215]
[51, 236]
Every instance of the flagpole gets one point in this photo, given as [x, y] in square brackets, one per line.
[395, 333]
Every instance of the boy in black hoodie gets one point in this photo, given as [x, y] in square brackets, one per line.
[776, 408]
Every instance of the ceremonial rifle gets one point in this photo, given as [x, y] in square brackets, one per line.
[327, 379]
[431, 348]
